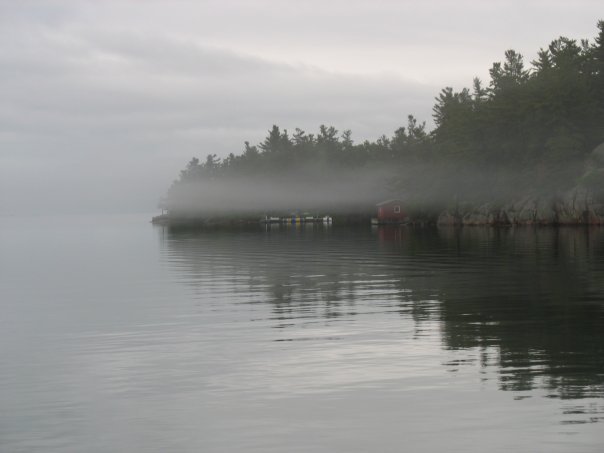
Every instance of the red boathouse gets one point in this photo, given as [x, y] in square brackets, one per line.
[390, 211]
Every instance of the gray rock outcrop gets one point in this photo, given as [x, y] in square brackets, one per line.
[577, 207]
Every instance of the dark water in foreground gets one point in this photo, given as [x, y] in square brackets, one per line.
[117, 336]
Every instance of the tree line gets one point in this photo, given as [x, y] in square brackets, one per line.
[530, 127]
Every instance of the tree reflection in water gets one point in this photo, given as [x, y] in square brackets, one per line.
[529, 301]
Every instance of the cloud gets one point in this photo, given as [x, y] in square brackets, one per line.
[108, 100]
[103, 104]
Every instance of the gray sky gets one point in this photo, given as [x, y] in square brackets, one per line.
[103, 102]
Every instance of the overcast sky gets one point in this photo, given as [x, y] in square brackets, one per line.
[103, 102]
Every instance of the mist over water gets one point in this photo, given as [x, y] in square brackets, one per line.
[422, 186]
[283, 191]
[117, 335]
[205, 329]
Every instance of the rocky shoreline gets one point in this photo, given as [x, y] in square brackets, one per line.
[574, 208]
[577, 207]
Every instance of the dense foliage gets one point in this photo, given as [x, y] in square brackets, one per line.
[529, 129]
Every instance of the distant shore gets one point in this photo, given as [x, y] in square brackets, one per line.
[570, 211]
[233, 220]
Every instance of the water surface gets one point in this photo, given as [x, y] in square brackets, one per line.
[119, 336]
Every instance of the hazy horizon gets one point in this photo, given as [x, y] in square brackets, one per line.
[105, 103]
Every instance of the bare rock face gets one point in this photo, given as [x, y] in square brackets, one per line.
[595, 213]
[597, 155]
[577, 207]
[493, 217]
[477, 216]
[527, 214]
[583, 205]
[580, 207]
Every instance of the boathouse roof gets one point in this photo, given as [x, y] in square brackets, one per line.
[387, 202]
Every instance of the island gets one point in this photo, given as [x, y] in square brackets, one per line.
[527, 147]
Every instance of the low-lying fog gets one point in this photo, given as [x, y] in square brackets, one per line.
[357, 190]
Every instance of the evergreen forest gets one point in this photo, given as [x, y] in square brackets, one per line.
[533, 128]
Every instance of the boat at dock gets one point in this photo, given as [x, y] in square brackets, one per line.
[296, 219]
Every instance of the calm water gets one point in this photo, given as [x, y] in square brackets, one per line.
[117, 336]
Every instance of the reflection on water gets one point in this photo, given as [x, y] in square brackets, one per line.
[119, 336]
[527, 303]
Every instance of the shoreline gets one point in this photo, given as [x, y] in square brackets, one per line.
[444, 220]
[576, 207]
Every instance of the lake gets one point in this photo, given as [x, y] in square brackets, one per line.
[120, 336]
